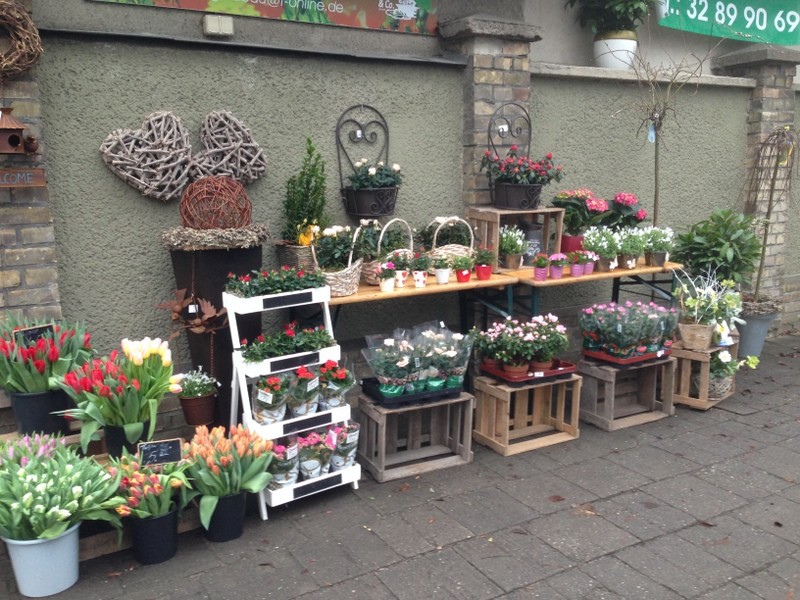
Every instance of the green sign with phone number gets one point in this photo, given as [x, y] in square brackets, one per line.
[763, 21]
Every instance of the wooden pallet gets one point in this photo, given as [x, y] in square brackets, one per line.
[617, 397]
[519, 418]
[405, 441]
[691, 361]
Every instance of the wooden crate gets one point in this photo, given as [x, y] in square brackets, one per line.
[691, 361]
[405, 441]
[614, 397]
[487, 221]
[514, 419]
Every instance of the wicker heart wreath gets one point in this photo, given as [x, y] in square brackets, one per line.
[157, 158]
[24, 43]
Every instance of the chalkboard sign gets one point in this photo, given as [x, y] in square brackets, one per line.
[159, 452]
[32, 334]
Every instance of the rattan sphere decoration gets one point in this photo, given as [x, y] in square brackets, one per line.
[216, 202]
[26, 45]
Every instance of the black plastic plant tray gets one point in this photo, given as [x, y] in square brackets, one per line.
[370, 387]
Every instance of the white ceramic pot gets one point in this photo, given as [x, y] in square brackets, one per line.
[442, 276]
[615, 49]
[420, 278]
[386, 285]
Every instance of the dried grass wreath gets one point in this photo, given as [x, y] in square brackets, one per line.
[26, 45]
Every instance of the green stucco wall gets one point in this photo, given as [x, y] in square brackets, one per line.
[112, 269]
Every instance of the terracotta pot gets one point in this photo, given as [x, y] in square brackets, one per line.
[492, 363]
[516, 370]
[199, 410]
[541, 365]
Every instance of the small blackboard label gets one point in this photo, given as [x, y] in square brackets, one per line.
[317, 485]
[318, 420]
[159, 452]
[293, 300]
[284, 364]
[32, 334]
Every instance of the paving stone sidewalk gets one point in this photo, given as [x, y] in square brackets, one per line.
[703, 505]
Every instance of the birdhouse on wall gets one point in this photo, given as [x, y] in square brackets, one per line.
[11, 133]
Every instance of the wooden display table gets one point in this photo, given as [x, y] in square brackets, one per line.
[614, 397]
[404, 441]
[699, 360]
[525, 277]
[513, 419]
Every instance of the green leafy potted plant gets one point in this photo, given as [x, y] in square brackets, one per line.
[722, 369]
[658, 243]
[462, 265]
[419, 269]
[484, 259]
[516, 181]
[512, 246]
[46, 491]
[441, 268]
[704, 304]
[303, 210]
[334, 250]
[614, 24]
[33, 357]
[198, 397]
[631, 246]
[604, 244]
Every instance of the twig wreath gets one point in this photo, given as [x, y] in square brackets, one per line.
[25, 44]
[229, 150]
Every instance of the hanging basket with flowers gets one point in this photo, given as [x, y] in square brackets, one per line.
[516, 182]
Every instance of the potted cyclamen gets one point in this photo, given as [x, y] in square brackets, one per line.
[372, 189]
[33, 357]
[516, 181]
[198, 397]
[419, 269]
[557, 263]
[386, 276]
[441, 269]
[541, 263]
[222, 469]
[658, 243]
[484, 259]
[462, 265]
[581, 211]
[604, 244]
[46, 491]
[153, 495]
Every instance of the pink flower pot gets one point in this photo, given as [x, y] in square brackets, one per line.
[556, 272]
[588, 268]
[539, 273]
[576, 270]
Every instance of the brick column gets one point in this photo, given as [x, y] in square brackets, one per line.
[497, 72]
[771, 106]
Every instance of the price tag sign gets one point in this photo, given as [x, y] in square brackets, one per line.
[32, 334]
[352, 437]
[264, 397]
[160, 452]
[291, 451]
[762, 21]
[313, 384]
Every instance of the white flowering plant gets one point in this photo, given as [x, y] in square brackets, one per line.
[334, 248]
[46, 488]
[724, 365]
[601, 241]
[368, 176]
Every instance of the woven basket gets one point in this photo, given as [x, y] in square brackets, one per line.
[295, 256]
[344, 282]
[696, 337]
[450, 251]
[718, 387]
[369, 272]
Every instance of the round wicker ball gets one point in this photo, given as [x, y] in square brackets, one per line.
[215, 202]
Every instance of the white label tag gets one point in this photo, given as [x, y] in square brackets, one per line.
[417, 362]
[291, 451]
[352, 437]
[193, 308]
[619, 327]
[264, 397]
[538, 373]
[313, 384]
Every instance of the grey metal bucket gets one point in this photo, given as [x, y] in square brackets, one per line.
[752, 334]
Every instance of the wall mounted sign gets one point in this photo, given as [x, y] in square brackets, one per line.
[405, 16]
[763, 21]
[22, 178]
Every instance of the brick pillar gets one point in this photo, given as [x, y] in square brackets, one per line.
[771, 106]
[497, 72]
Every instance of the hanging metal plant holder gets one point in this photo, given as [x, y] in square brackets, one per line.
[362, 141]
[510, 125]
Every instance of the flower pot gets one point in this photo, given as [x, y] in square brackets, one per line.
[310, 468]
[604, 265]
[420, 278]
[291, 255]
[696, 337]
[492, 363]
[442, 276]
[512, 261]
[753, 332]
[516, 195]
[539, 273]
[718, 386]
[332, 402]
[370, 202]
[463, 275]
[32, 411]
[571, 243]
[155, 539]
[556, 272]
[516, 370]
[483, 272]
[627, 261]
[386, 285]
[307, 408]
[541, 365]
[340, 461]
[400, 278]
[576, 270]
[199, 410]
[116, 440]
[264, 414]
[45, 567]
[227, 520]
[588, 268]
[615, 49]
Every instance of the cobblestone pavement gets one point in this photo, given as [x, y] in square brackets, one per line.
[702, 505]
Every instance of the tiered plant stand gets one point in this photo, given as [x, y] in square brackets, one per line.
[404, 441]
[690, 361]
[487, 221]
[511, 419]
[615, 397]
[245, 373]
